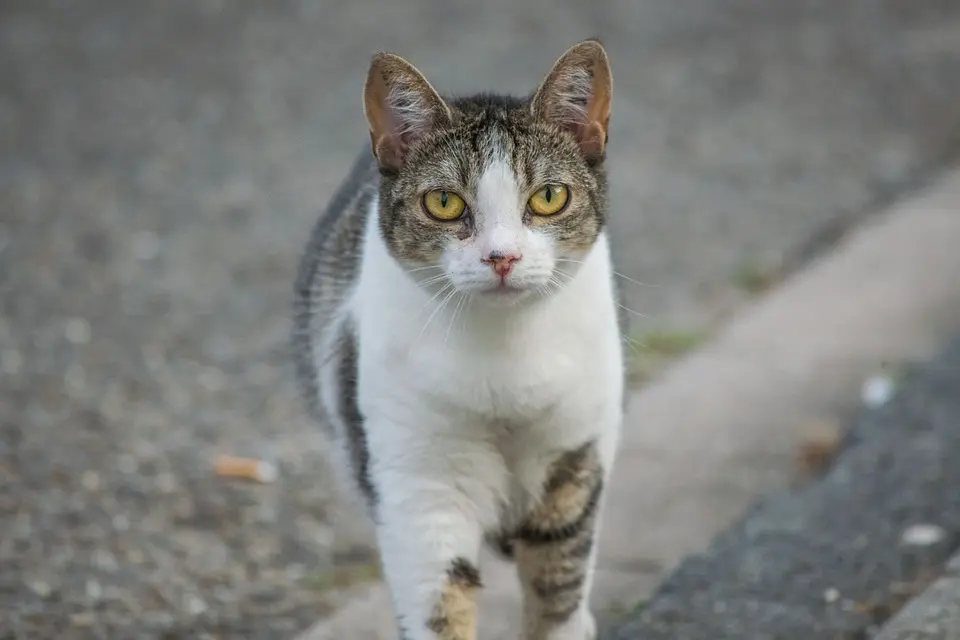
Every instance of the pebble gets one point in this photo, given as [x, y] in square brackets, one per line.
[127, 464]
[260, 373]
[11, 361]
[77, 331]
[75, 380]
[153, 357]
[94, 591]
[877, 391]
[146, 245]
[211, 379]
[90, 480]
[105, 561]
[923, 535]
[40, 588]
[831, 595]
[83, 619]
[195, 605]
[166, 482]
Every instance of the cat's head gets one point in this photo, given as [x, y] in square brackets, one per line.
[497, 197]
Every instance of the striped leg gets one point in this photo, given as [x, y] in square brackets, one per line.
[555, 551]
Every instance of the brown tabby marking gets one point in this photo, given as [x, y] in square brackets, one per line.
[556, 540]
[455, 614]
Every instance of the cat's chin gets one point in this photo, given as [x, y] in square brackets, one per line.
[504, 296]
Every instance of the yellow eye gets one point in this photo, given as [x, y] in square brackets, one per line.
[549, 200]
[443, 205]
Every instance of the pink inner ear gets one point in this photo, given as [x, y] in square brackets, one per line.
[593, 138]
[389, 149]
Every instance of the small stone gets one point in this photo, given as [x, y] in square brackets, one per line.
[166, 482]
[195, 605]
[158, 619]
[260, 373]
[184, 508]
[75, 380]
[877, 391]
[83, 619]
[153, 357]
[831, 595]
[94, 591]
[146, 245]
[923, 535]
[121, 522]
[719, 608]
[953, 567]
[105, 561]
[127, 464]
[11, 361]
[77, 331]
[40, 588]
[295, 572]
[90, 481]
[211, 380]
[220, 347]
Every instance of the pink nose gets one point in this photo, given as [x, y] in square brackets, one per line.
[501, 262]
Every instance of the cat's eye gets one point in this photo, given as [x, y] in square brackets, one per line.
[443, 205]
[549, 200]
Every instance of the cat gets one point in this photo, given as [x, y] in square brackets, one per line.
[457, 333]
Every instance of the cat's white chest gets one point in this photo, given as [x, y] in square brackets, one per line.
[513, 379]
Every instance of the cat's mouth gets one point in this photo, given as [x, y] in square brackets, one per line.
[504, 293]
[504, 290]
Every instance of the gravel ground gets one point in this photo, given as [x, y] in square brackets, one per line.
[161, 163]
[835, 559]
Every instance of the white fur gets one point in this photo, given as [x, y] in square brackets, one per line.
[467, 403]
[410, 112]
[572, 93]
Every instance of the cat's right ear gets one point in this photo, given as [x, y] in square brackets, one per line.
[400, 106]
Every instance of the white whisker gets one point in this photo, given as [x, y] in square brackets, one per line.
[432, 280]
[431, 266]
[439, 306]
[636, 313]
[453, 318]
[616, 273]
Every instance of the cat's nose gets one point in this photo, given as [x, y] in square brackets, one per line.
[501, 262]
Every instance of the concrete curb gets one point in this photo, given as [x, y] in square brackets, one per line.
[933, 615]
[721, 427]
[838, 556]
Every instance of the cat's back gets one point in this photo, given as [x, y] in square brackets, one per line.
[330, 264]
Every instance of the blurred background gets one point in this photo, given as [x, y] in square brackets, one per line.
[161, 164]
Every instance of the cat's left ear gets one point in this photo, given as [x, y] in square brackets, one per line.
[400, 106]
[576, 95]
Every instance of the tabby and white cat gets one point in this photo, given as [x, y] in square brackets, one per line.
[457, 334]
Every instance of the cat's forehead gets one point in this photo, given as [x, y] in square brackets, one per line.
[459, 157]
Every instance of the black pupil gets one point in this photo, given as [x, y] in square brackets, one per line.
[548, 194]
[443, 199]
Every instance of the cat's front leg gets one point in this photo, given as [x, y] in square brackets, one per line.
[429, 550]
[555, 548]
[438, 488]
